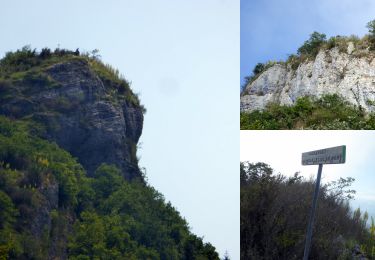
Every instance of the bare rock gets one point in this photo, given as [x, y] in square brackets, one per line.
[332, 72]
[91, 118]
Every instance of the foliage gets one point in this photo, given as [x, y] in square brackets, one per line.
[28, 165]
[274, 214]
[371, 28]
[313, 44]
[132, 221]
[258, 68]
[326, 112]
[48, 204]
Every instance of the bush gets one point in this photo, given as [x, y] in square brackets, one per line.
[45, 53]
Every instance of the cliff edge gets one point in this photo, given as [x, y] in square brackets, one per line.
[82, 105]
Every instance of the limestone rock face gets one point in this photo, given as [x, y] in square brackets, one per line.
[350, 74]
[83, 114]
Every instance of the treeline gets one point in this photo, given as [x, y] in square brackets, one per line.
[274, 215]
[330, 111]
[50, 208]
[26, 58]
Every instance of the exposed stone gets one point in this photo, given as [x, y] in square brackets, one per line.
[351, 48]
[348, 74]
[83, 115]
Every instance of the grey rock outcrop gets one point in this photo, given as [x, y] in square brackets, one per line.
[350, 74]
[93, 119]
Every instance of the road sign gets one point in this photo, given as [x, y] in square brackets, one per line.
[333, 155]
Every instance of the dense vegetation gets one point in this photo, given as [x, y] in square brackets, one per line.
[274, 215]
[110, 217]
[327, 112]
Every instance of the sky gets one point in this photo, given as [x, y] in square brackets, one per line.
[273, 29]
[282, 150]
[182, 57]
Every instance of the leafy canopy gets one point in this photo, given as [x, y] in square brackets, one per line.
[99, 217]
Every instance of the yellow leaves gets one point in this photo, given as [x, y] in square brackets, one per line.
[43, 162]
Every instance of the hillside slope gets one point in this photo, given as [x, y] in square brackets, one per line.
[70, 184]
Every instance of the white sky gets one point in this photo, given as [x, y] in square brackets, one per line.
[282, 151]
[183, 58]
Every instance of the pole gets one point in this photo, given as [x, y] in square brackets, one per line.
[312, 215]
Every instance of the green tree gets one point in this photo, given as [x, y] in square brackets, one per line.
[89, 237]
[258, 68]
[107, 179]
[371, 29]
[312, 45]
[8, 212]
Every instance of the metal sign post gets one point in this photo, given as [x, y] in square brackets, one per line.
[334, 155]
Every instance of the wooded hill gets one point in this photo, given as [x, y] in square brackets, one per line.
[70, 183]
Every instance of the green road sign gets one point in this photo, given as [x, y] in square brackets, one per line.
[333, 155]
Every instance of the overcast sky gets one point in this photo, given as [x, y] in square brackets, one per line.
[282, 151]
[273, 29]
[183, 59]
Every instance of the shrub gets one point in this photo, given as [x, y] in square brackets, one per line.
[327, 112]
[258, 68]
[45, 53]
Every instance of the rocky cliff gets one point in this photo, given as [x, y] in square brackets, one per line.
[349, 72]
[70, 185]
[96, 119]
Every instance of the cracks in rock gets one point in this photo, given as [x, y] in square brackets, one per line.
[357, 95]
